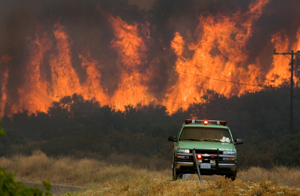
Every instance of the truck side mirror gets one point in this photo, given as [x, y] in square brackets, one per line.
[172, 139]
[238, 141]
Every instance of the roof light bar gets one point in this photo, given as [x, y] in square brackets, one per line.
[206, 122]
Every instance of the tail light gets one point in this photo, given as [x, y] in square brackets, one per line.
[205, 122]
[199, 156]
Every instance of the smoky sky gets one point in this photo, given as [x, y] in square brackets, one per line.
[84, 22]
[87, 25]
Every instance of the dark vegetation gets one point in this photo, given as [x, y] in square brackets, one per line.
[9, 187]
[80, 128]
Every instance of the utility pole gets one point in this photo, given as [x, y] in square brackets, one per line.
[292, 83]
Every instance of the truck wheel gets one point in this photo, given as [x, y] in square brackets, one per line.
[232, 176]
[174, 172]
[175, 175]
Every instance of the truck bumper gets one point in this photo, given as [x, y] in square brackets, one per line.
[222, 169]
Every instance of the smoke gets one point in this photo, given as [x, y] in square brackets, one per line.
[88, 26]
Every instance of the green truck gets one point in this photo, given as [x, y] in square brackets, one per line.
[206, 147]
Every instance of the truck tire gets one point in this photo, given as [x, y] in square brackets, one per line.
[175, 175]
[232, 176]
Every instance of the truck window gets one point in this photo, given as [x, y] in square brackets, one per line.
[205, 134]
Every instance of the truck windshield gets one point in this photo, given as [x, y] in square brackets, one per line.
[205, 134]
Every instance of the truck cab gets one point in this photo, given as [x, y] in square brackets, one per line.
[205, 143]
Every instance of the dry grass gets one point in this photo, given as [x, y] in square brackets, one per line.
[99, 178]
[67, 170]
[283, 176]
[156, 186]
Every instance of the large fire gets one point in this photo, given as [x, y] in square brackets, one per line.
[214, 57]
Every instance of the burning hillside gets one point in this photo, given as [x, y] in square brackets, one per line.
[120, 55]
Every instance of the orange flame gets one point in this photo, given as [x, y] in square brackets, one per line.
[132, 51]
[280, 67]
[297, 44]
[34, 91]
[65, 81]
[216, 61]
[92, 87]
[37, 94]
[217, 55]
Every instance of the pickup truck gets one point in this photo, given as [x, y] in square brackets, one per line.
[207, 144]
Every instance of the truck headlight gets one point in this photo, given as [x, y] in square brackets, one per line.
[229, 152]
[183, 151]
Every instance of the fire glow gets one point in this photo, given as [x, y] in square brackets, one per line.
[218, 48]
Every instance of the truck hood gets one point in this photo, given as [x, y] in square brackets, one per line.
[205, 145]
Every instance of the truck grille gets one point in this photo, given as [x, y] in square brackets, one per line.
[207, 151]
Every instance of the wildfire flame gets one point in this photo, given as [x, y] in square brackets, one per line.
[216, 60]
[34, 91]
[92, 87]
[65, 81]
[132, 52]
